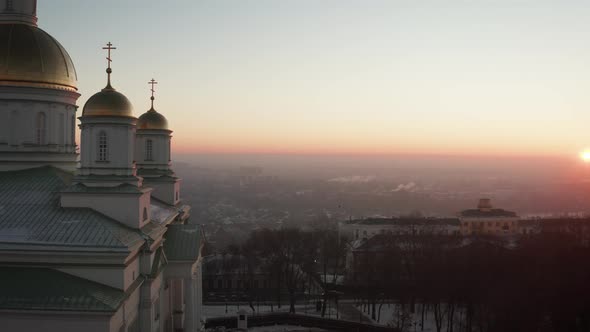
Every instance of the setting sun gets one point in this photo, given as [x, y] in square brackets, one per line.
[585, 155]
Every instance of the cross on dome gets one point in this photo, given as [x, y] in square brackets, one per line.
[152, 89]
[109, 47]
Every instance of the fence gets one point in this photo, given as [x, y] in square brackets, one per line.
[298, 320]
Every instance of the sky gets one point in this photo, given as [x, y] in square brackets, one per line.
[471, 77]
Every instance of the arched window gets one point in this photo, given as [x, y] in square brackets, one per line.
[103, 147]
[145, 215]
[40, 129]
[148, 149]
[169, 149]
[73, 131]
[177, 195]
[62, 133]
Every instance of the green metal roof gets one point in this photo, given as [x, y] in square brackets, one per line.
[121, 189]
[30, 214]
[156, 172]
[48, 289]
[183, 242]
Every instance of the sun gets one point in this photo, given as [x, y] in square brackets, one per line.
[585, 156]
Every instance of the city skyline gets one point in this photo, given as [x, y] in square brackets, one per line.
[344, 77]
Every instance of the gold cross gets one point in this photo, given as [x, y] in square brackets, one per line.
[109, 47]
[152, 83]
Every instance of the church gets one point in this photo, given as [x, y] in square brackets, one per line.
[92, 241]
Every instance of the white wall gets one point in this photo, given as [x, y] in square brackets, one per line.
[58, 114]
[125, 208]
[19, 108]
[489, 225]
[160, 149]
[366, 231]
[120, 133]
[167, 192]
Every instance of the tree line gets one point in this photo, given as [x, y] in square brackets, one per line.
[295, 261]
[484, 284]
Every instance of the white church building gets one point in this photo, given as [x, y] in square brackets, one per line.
[96, 241]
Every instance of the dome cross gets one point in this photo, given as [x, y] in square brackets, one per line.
[152, 89]
[109, 47]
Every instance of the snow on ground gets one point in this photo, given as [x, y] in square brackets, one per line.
[211, 311]
[391, 315]
[284, 328]
[276, 328]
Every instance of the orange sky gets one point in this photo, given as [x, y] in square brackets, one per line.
[363, 77]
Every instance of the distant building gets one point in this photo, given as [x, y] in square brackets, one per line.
[578, 228]
[529, 226]
[226, 278]
[366, 228]
[486, 219]
[366, 255]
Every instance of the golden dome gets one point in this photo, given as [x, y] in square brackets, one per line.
[152, 120]
[30, 57]
[108, 102]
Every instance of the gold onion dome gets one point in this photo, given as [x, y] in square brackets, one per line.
[152, 120]
[30, 57]
[108, 102]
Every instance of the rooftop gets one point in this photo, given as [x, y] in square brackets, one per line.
[30, 214]
[404, 221]
[183, 242]
[49, 289]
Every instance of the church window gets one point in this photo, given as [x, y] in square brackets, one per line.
[62, 133]
[177, 195]
[148, 149]
[40, 129]
[9, 4]
[145, 214]
[103, 147]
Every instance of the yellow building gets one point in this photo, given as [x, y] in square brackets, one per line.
[485, 219]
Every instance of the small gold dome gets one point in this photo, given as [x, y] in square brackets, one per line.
[152, 120]
[108, 102]
[30, 57]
